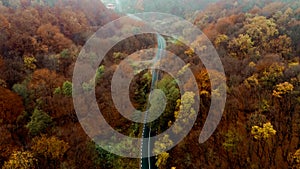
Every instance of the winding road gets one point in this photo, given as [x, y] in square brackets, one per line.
[146, 147]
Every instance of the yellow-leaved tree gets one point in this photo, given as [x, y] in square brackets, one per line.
[294, 159]
[162, 160]
[242, 46]
[264, 132]
[263, 136]
[21, 160]
[160, 147]
[49, 147]
[185, 113]
[282, 89]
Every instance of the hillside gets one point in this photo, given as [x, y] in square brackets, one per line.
[258, 43]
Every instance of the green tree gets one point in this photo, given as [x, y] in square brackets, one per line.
[21, 89]
[157, 102]
[104, 158]
[39, 122]
[57, 90]
[169, 86]
[233, 146]
[65, 54]
[67, 88]
[100, 73]
[232, 139]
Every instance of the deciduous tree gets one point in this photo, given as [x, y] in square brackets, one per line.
[21, 160]
[44, 81]
[11, 106]
[49, 147]
[52, 40]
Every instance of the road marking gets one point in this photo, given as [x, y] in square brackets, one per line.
[149, 140]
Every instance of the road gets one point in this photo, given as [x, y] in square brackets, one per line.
[147, 147]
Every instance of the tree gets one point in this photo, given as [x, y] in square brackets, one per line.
[157, 101]
[186, 111]
[52, 40]
[21, 160]
[241, 47]
[4, 24]
[203, 82]
[49, 147]
[39, 122]
[294, 159]
[25, 3]
[264, 136]
[281, 45]
[282, 89]
[2, 82]
[169, 86]
[11, 106]
[161, 160]
[271, 8]
[44, 81]
[21, 90]
[232, 139]
[161, 145]
[29, 62]
[261, 30]
[251, 81]
[12, 71]
[26, 20]
[8, 144]
[104, 158]
[99, 73]
[67, 88]
[263, 133]
[232, 143]
[23, 26]
[74, 24]
[224, 25]
[220, 40]
[256, 119]
[272, 74]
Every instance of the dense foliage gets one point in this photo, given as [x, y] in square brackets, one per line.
[257, 41]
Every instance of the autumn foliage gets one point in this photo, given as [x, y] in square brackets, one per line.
[258, 43]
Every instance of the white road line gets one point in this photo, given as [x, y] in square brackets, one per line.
[149, 162]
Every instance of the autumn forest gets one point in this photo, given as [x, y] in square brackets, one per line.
[258, 42]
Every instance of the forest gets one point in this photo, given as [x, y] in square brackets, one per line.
[258, 42]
